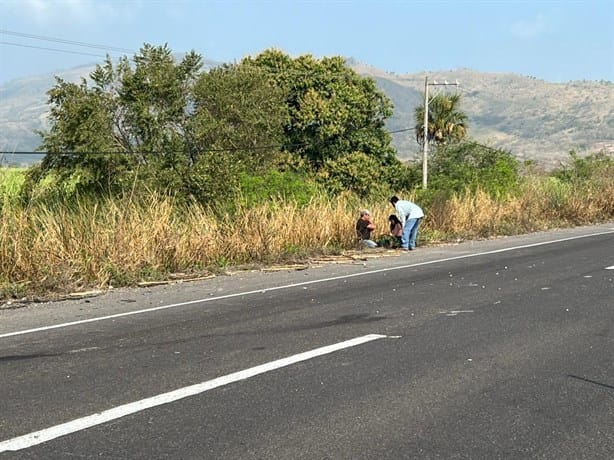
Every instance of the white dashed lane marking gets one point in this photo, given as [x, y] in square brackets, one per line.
[39, 437]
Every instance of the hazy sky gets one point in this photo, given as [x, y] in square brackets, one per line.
[552, 40]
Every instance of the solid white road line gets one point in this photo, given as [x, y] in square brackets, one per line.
[288, 286]
[39, 437]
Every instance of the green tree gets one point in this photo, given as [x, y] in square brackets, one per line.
[124, 117]
[194, 133]
[237, 126]
[355, 172]
[333, 111]
[182, 130]
[446, 122]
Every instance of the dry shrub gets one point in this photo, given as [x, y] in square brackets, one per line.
[550, 202]
[94, 244]
[543, 203]
[471, 214]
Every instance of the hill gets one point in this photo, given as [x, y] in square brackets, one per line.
[534, 119]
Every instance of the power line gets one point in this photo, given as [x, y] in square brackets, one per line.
[242, 68]
[117, 152]
[247, 68]
[401, 130]
[51, 49]
[67, 42]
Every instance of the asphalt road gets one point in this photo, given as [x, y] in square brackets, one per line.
[498, 349]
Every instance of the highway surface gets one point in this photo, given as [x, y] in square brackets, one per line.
[496, 349]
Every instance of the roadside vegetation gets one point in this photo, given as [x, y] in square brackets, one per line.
[156, 170]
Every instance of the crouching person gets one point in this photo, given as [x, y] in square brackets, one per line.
[364, 228]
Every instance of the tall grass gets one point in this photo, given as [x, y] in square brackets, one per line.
[542, 203]
[64, 247]
[119, 242]
[11, 181]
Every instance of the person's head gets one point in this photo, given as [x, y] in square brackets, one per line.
[393, 219]
[365, 214]
[393, 200]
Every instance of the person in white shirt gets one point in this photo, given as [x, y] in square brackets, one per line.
[410, 215]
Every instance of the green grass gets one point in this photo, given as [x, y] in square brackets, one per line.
[11, 181]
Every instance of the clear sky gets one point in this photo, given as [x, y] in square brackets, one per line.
[556, 41]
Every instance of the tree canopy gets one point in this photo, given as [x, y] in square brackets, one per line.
[190, 132]
[333, 110]
[126, 116]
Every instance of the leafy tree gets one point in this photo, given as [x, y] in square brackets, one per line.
[164, 123]
[154, 99]
[237, 126]
[171, 127]
[446, 123]
[333, 111]
[356, 172]
[126, 116]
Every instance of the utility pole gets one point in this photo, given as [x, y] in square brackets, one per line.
[425, 148]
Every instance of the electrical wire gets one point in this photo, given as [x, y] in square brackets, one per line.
[234, 149]
[51, 49]
[113, 50]
[66, 42]
[248, 69]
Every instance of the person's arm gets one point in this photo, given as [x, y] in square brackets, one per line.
[400, 214]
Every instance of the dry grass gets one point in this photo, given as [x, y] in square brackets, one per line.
[542, 204]
[45, 250]
[120, 243]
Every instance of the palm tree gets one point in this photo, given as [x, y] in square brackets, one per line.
[446, 123]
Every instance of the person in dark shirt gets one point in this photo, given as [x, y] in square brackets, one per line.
[364, 228]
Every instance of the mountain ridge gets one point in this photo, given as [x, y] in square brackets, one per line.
[532, 118]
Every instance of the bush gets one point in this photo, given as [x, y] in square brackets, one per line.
[365, 176]
[11, 183]
[594, 166]
[288, 186]
[472, 166]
